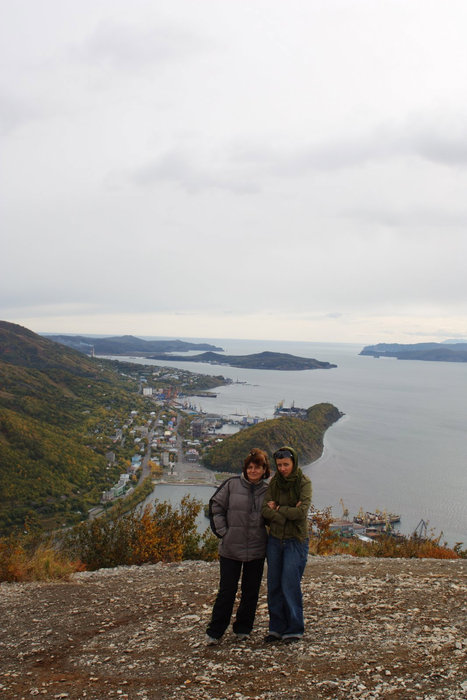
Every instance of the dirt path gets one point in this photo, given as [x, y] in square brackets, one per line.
[375, 629]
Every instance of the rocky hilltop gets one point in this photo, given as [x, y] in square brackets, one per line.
[376, 628]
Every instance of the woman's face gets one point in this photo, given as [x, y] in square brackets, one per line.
[285, 466]
[255, 472]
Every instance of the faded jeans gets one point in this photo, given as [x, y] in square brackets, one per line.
[286, 564]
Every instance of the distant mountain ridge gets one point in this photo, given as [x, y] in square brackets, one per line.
[431, 352]
[125, 344]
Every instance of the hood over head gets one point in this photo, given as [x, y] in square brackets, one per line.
[294, 456]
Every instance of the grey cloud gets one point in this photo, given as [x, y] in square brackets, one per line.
[446, 145]
[126, 46]
[14, 112]
[443, 148]
[333, 155]
[428, 217]
[243, 167]
[177, 168]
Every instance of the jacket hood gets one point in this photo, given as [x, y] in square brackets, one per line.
[294, 456]
[287, 482]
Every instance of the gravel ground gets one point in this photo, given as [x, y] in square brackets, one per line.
[375, 628]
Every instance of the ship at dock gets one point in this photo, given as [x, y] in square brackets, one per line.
[379, 519]
[292, 411]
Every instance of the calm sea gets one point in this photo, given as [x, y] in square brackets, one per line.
[402, 444]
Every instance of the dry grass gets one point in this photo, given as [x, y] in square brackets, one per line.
[43, 563]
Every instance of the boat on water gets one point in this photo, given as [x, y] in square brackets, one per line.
[378, 519]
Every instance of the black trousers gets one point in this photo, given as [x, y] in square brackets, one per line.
[230, 570]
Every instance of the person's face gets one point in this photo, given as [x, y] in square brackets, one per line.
[285, 466]
[255, 472]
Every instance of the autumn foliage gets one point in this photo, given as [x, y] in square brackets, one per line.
[44, 562]
[158, 533]
[325, 541]
[162, 533]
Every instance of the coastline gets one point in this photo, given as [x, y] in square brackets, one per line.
[407, 460]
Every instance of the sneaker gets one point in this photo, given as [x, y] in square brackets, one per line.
[241, 636]
[291, 640]
[211, 641]
[271, 638]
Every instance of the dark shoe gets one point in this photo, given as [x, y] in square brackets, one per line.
[271, 638]
[291, 640]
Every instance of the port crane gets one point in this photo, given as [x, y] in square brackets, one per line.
[345, 511]
[421, 531]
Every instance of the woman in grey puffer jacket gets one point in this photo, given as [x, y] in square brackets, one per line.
[236, 510]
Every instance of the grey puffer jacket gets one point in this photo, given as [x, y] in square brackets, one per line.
[236, 510]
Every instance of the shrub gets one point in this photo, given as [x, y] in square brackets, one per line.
[158, 533]
[325, 540]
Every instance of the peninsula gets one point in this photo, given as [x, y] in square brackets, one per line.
[261, 360]
[432, 352]
[306, 434]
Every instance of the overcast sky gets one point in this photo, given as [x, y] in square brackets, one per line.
[226, 168]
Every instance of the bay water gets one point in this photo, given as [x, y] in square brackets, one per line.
[401, 445]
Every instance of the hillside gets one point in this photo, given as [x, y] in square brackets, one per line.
[261, 360]
[305, 435]
[57, 411]
[375, 628]
[429, 352]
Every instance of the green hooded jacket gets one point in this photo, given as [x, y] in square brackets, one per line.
[289, 520]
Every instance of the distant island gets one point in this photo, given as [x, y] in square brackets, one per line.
[165, 349]
[126, 345]
[260, 360]
[432, 352]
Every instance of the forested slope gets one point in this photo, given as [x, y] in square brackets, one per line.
[305, 435]
[57, 410]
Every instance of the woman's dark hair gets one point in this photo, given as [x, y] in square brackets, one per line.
[259, 457]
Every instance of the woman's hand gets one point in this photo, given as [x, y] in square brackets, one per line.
[272, 505]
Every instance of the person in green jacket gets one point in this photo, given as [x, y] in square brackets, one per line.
[285, 509]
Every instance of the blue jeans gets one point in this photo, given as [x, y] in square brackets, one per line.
[286, 564]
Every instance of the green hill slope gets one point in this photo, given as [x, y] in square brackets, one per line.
[305, 435]
[57, 411]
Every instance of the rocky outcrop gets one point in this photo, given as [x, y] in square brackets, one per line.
[376, 628]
